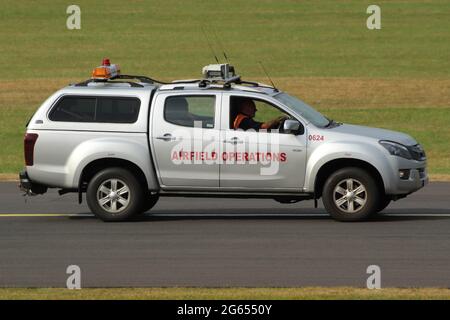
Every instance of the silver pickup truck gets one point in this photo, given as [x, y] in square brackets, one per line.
[125, 141]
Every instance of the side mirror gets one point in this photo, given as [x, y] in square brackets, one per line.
[291, 126]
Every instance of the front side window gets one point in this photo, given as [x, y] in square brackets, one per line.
[96, 109]
[190, 111]
[249, 113]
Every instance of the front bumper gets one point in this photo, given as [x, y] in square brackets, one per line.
[417, 179]
[29, 187]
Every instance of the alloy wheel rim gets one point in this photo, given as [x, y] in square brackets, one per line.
[113, 195]
[350, 195]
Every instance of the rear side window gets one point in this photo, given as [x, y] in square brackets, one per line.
[96, 109]
[117, 110]
[74, 109]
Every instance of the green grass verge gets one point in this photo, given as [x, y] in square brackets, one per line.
[164, 39]
[313, 293]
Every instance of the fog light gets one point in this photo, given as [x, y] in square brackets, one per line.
[404, 174]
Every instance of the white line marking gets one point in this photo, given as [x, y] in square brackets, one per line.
[178, 215]
[416, 215]
[238, 215]
[288, 215]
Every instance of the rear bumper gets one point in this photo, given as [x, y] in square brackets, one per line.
[30, 187]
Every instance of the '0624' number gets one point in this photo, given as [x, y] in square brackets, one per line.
[316, 137]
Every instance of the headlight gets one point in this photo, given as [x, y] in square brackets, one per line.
[396, 149]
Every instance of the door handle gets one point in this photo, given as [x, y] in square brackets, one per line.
[234, 140]
[166, 137]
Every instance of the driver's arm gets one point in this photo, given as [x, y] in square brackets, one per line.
[274, 123]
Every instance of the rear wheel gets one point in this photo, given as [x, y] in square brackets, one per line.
[114, 194]
[351, 194]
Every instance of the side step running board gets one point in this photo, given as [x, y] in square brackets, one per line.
[236, 194]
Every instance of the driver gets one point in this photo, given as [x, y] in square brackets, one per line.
[246, 113]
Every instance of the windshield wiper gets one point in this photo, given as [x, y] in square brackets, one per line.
[330, 123]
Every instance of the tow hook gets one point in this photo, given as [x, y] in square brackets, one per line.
[29, 188]
[28, 192]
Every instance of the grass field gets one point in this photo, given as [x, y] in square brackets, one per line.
[397, 77]
[313, 293]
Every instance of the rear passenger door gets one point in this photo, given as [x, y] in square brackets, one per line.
[184, 137]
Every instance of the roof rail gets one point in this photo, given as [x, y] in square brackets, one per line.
[228, 82]
[86, 83]
[143, 79]
[186, 81]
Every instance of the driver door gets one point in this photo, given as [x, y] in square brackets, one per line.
[264, 160]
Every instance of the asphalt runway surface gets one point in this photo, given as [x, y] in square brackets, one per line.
[223, 242]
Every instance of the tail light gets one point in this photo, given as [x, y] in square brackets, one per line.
[28, 143]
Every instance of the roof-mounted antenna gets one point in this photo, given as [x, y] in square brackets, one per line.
[221, 45]
[209, 44]
[267, 75]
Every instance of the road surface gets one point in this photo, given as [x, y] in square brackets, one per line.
[223, 242]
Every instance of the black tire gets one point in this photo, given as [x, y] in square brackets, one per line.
[357, 207]
[133, 198]
[384, 202]
[149, 202]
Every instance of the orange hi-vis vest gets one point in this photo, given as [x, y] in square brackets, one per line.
[237, 121]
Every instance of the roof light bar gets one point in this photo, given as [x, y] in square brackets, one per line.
[106, 71]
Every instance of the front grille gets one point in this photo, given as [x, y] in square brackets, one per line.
[417, 152]
[422, 173]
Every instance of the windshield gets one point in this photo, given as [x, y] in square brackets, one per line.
[307, 112]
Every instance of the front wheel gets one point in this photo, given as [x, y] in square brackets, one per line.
[384, 202]
[114, 194]
[351, 194]
[149, 202]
